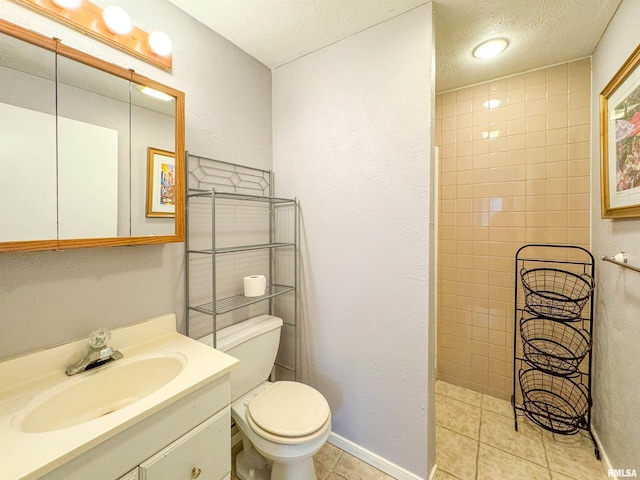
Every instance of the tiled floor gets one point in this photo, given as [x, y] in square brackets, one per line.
[333, 463]
[475, 440]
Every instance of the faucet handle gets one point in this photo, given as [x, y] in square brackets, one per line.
[99, 338]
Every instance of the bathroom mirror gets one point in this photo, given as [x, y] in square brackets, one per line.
[75, 133]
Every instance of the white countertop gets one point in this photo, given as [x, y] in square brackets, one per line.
[23, 379]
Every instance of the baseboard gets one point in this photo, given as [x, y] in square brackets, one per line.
[374, 460]
[603, 456]
[433, 472]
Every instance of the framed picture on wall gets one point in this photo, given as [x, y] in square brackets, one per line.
[161, 183]
[620, 142]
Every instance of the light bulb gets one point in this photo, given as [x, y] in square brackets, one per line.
[490, 48]
[67, 3]
[160, 43]
[117, 20]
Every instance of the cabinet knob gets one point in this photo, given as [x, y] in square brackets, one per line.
[195, 473]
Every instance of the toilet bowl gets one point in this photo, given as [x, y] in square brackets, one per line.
[282, 424]
[272, 420]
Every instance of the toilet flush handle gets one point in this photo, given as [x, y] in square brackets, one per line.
[195, 473]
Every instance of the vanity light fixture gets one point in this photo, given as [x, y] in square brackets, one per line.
[117, 20]
[71, 4]
[112, 25]
[490, 48]
[160, 43]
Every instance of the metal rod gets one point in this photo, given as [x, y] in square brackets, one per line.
[296, 291]
[622, 264]
[214, 314]
[272, 256]
[187, 311]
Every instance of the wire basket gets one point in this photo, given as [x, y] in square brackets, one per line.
[553, 347]
[555, 403]
[554, 293]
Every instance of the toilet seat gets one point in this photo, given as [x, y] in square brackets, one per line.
[288, 413]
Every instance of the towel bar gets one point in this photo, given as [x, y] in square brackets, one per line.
[623, 263]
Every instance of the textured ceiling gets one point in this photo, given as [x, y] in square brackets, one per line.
[278, 31]
[540, 32]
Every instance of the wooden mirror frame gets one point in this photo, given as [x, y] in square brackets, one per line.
[57, 47]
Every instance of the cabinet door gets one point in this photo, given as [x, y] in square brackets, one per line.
[132, 475]
[203, 453]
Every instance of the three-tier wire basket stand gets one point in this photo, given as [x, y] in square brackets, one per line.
[553, 338]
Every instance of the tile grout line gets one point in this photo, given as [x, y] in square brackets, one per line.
[479, 433]
[453, 431]
[547, 445]
[546, 457]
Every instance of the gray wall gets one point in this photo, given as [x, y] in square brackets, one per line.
[352, 139]
[47, 298]
[616, 383]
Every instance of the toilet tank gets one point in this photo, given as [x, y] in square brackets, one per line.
[255, 343]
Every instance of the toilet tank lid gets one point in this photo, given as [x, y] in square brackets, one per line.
[239, 333]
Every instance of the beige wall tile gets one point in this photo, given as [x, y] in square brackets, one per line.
[557, 136]
[579, 151]
[579, 133]
[580, 67]
[449, 97]
[558, 119]
[558, 103]
[557, 71]
[464, 106]
[464, 121]
[516, 111]
[448, 110]
[536, 91]
[579, 99]
[536, 76]
[579, 202]
[579, 116]
[480, 90]
[559, 86]
[462, 94]
[516, 126]
[513, 174]
[498, 114]
[536, 123]
[536, 107]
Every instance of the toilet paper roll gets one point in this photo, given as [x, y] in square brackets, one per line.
[255, 285]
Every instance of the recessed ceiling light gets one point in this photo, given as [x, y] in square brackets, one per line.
[490, 48]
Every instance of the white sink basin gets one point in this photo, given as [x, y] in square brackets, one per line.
[99, 392]
[48, 419]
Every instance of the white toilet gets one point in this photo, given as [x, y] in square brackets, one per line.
[283, 424]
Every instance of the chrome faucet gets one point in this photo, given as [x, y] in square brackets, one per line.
[99, 353]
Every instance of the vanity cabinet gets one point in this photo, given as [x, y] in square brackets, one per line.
[132, 475]
[202, 453]
[188, 439]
